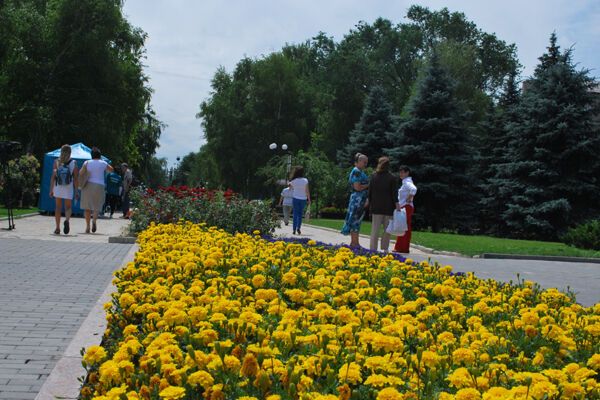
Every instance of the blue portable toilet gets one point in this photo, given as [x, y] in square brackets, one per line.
[80, 153]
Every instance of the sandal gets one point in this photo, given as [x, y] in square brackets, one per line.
[66, 227]
[87, 230]
[57, 231]
[93, 227]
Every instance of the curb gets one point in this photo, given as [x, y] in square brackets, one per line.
[63, 383]
[21, 216]
[416, 246]
[539, 258]
[122, 239]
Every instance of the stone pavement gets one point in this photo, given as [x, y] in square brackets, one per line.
[581, 278]
[48, 286]
[41, 227]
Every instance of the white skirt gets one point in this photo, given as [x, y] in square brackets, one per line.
[64, 191]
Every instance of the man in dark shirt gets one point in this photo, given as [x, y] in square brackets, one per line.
[383, 199]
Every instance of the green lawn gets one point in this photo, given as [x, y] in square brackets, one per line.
[476, 244]
[18, 211]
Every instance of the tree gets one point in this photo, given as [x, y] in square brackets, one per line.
[552, 172]
[370, 135]
[71, 71]
[494, 147]
[433, 142]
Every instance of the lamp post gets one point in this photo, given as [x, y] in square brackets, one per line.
[284, 147]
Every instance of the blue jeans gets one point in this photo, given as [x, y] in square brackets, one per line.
[298, 210]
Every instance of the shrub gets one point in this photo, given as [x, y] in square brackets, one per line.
[23, 180]
[332, 212]
[584, 236]
[224, 209]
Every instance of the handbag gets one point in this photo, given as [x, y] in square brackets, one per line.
[397, 225]
[83, 176]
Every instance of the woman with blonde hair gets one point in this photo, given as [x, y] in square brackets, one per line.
[359, 182]
[62, 184]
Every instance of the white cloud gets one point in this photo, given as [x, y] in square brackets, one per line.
[188, 40]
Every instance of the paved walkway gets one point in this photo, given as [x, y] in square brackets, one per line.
[48, 286]
[581, 278]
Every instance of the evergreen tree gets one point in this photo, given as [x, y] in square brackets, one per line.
[435, 145]
[370, 133]
[552, 172]
[494, 155]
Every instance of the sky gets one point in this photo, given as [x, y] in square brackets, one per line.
[189, 39]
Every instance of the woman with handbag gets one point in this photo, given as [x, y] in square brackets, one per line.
[92, 192]
[406, 195]
[359, 182]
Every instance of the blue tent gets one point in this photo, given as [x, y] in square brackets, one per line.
[79, 152]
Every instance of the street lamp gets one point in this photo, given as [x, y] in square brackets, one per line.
[284, 147]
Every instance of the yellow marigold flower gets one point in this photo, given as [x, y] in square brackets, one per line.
[594, 362]
[232, 363]
[116, 393]
[201, 378]
[468, 394]
[256, 232]
[350, 372]
[539, 389]
[94, 355]
[129, 330]
[249, 366]
[572, 390]
[172, 393]
[109, 372]
[460, 378]
[496, 393]
[389, 394]
[376, 380]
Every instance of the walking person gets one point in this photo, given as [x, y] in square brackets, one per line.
[63, 182]
[383, 200]
[92, 194]
[300, 197]
[127, 180]
[114, 189]
[286, 202]
[359, 182]
[406, 195]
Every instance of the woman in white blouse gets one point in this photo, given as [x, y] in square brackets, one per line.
[300, 197]
[92, 194]
[406, 194]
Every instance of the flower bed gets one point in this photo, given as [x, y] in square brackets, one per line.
[203, 314]
[224, 209]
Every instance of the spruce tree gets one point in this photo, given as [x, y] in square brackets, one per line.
[494, 155]
[370, 133]
[433, 142]
[551, 175]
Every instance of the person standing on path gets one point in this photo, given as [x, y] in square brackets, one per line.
[300, 197]
[114, 189]
[127, 179]
[382, 198]
[359, 182]
[286, 202]
[92, 194]
[62, 184]
[406, 195]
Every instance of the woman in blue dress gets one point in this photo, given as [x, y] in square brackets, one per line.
[359, 181]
